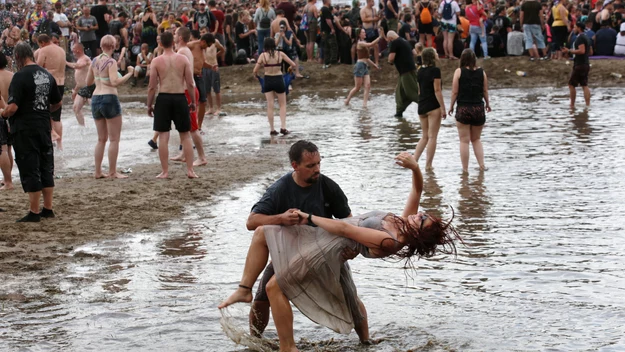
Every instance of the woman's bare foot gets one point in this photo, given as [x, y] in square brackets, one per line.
[191, 174]
[346, 102]
[117, 175]
[163, 175]
[200, 162]
[179, 158]
[240, 295]
[6, 187]
[99, 175]
[429, 168]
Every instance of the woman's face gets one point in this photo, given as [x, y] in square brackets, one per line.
[362, 34]
[420, 220]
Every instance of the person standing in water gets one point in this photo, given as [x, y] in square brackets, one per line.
[361, 68]
[81, 92]
[470, 89]
[581, 66]
[172, 74]
[402, 55]
[52, 58]
[6, 156]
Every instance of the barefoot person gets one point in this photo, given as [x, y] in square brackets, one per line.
[32, 95]
[52, 58]
[307, 189]
[81, 92]
[431, 105]
[197, 48]
[212, 78]
[274, 87]
[306, 258]
[361, 69]
[170, 74]
[470, 89]
[105, 107]
[402, 55]
[6, 156]
[581, 67]
[183, 34]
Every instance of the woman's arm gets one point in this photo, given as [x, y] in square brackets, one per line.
[375, 240]
[454, 90]
[486, 98]
[408, 161]
[116, 81]
[439, 96]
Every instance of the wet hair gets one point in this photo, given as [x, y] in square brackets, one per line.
[107, 42]
[43, 38]
[279, 12]
[195, 34]
[209, 38]
[184, 33]
[270, 46]
[438, 237]
[297, 150]
[429, 57]
[23, 51]
[468, 59]
[167, 40]
[3, 61]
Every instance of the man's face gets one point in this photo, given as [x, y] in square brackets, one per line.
[172, 19]
[86, 11]
[58, 8]
[38, 6]
[55, 40]
[309, 168]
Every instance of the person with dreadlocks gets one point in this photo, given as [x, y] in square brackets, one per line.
[307, 259]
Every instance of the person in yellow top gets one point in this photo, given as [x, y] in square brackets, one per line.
[559, 29]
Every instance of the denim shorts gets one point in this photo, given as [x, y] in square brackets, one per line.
[105, 106]
[533, 33]
[361, 69]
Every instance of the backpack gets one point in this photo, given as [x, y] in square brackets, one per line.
[265, 22]
[425, 17]
[304, 25]
[447, 11]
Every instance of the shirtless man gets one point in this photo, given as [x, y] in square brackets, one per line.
[6, 157]
[370, 19]
[52, 58]
[197, 48]
[211, 75]
[183, 34]
[169, 73]
[81, 93]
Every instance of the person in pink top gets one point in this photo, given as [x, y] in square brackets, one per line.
[475, 14]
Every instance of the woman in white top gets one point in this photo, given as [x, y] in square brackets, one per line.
[449, 12]
[619, 48]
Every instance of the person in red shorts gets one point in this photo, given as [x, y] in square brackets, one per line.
[183, 34]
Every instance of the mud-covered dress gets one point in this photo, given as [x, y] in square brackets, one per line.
[311, 274]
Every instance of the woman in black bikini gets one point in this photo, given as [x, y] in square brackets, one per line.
[274, 86]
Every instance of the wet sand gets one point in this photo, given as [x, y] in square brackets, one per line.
[91, 210]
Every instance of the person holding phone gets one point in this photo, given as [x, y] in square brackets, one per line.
[86, 26]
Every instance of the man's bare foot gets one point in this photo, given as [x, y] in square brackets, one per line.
[163, 175]
[210, 113]
[179, 158]
[216, 113]
[240, 295]
[191, 174]
[100, 175]
[429, 168]
[59, 144]
[7, 187]
[117, 175]
[200, 162]
[346, 102]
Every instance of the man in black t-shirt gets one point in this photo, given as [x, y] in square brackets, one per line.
[581, 67]
[303, 188]
[101, 12]
[328, 35]
[33, 93]
[504, 24]
[402, 55]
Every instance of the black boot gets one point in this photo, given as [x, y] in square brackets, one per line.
[31, 217]
[47, 213]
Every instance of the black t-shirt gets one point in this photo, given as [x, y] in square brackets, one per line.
[581, 59]
[115, 26]
[605, 41]
[405, 28]
[426, 77]
[98, 12]
[387, 11]
[242, 43]
[496, 47]
[326, 14]
[503, 23]
[204, 19]
[323, 198]
[531, 11]
[32, 89]
[404, 61]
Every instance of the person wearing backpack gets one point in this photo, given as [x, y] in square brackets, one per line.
[449, 10]
[423, 14]
[311, 14]
[263, 17]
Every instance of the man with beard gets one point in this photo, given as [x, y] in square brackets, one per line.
[32, 95]
[303, 188]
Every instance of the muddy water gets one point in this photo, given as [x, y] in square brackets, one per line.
[542, 268]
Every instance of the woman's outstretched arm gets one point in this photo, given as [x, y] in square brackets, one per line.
[372, 239]
[408, 161]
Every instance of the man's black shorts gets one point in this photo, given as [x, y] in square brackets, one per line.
[34, 156]
[171, 107]
[201, 87]
[56, 115]
[579, 76]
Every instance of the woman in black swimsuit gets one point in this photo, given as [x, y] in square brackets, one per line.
[274, 86]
